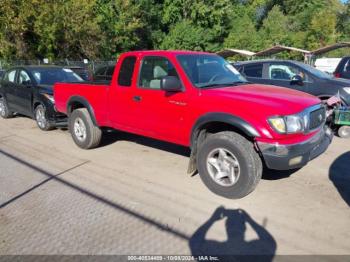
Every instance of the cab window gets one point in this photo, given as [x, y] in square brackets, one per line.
[153, 69]
[126, 71]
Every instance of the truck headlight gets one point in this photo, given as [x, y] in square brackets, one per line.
[278, 124]
[347, 90]
[50, 97]
[288, 124]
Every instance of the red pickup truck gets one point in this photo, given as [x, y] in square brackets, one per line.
[199, 100]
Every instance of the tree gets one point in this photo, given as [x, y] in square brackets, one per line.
[243, 34]
[322, 30]
[185, 36]
[275, 29]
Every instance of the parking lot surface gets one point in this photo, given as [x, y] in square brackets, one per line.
[133, 196]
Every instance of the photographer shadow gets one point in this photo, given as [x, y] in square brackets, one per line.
[235, 248]
[340, 176]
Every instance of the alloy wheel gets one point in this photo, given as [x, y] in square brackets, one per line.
[223, 167]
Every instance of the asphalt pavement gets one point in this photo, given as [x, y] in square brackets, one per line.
[132, 196]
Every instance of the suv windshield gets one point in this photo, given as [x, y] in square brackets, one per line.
[50, 76]
[205, 70]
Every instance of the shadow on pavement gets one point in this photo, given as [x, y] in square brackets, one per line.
[339, 174]
[235, 248]
[113, 136]
[269, 174]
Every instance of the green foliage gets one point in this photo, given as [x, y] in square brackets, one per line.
[185, 35]
[102, 29]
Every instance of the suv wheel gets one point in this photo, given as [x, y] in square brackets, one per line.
[4, 111]
[228, 165]
[41, 118]
[84, 133]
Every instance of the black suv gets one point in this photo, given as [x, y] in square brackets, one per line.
[297, 76]
[29, 91]
[343, 68]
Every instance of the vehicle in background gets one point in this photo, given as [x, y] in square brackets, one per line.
[104, 73]
[297, 76]
[28, 90]
[327, 65]
[343, 68]
[2, 72]
[199, 100]
[84, 73]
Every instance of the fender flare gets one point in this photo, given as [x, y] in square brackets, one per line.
[86, 105]
[226, 118]
[196, 135]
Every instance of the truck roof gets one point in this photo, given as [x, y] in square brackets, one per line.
[167, 52]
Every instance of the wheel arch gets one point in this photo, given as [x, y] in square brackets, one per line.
[218, 122]
[214, 123]
[76, 102]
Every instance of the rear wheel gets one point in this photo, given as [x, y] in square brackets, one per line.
[4, 110]
[344, 131]
[228, 165]
[41, 118]
[84, 133]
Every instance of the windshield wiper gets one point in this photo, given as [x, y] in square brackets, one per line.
[225, 84]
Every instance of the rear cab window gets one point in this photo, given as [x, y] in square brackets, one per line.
[126, 71]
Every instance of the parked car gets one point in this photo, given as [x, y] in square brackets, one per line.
[343, 68]
[28, 90]
[199, 100]
[104, 73]
[297, 76]
[84, 73]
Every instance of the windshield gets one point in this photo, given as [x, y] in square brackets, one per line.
[50, 76]
[315, 72]
[210, 71]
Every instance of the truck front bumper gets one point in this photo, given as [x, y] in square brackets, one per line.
[284, 157]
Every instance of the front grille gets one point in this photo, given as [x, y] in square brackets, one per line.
[317, 118]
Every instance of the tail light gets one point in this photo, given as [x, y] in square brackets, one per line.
[337, 75]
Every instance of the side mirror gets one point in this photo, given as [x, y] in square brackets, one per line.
[170, 84]
[297, 80]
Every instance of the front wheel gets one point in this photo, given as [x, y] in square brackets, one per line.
[84, 133]
[228, 165]
[41, 118]
[344, 131]
[4, 110]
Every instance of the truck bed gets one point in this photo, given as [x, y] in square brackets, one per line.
[95, 93]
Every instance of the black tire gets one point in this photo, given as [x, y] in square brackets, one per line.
[41, 118]
[250, 165]
[344, 132]
[4, 110]
[93, 134]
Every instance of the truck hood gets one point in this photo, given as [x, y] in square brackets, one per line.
[279, 100]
